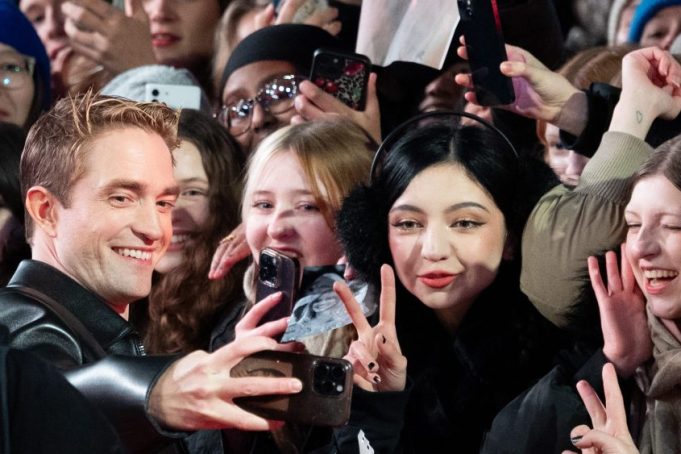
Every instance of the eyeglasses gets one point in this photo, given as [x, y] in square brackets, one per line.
[16, 72]
[275, 97]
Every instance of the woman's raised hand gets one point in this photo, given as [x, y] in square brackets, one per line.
[541, 94]
[313, 103]
[626, 338]
[115, 39]
[231, 250]
[376, 358]
[651, 88]
[609, 434]
[326, 18]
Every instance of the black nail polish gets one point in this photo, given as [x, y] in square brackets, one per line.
[384, 339]
[575, 439]
[377, 379]
[372, 365]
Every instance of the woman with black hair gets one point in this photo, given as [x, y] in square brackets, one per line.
[446, 211]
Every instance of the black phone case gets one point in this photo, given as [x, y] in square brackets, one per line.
[286, 280]
[325, 397]
[345, 76]
[481, 27]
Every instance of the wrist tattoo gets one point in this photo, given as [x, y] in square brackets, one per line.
[639, 116]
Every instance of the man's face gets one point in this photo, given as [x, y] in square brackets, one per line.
[118, 223]
[245, 83]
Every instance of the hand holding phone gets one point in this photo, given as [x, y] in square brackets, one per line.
[324, 399]
[343, 75]
[481, 27]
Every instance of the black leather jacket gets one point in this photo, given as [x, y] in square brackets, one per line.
[113, 374]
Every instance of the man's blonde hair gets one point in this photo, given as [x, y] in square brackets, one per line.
[57, 144]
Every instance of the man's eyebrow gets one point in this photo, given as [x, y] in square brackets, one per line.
[194, 180]
[137, 187]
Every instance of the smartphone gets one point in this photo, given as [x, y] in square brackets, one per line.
[343, 75]
[277, 273]
[175, 96]
[327, 387]
[481, 27]
[305, 10]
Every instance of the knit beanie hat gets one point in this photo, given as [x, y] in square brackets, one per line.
[17, 31]
[645, 11]
[293, 43]
[132, 83]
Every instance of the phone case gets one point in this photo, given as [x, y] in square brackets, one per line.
[325, 397]
[481, 27]
[277, 273]
[344, 76]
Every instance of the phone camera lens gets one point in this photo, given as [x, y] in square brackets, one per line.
[321, 371]
[337, 372]
[328, 387]
[155, 92]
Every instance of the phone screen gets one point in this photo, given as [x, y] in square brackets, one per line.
[481, 26]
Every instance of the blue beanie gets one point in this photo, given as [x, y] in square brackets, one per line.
[645, 11]
[17, 31]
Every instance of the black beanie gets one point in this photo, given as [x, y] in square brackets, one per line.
[293, 43]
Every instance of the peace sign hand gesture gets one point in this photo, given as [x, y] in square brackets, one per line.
[376, 357]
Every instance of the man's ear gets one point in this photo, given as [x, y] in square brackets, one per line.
[42, 206]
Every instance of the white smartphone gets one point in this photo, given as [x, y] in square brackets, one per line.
[305, 10]
[175, 96]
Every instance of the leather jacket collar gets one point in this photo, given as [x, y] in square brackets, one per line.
[106, 325]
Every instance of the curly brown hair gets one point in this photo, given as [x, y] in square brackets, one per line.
[183, 302]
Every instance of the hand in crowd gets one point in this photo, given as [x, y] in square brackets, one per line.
[313, 103]
[541, 94]
[651, 88]
[626, 338]
[324, 18]
[231, 250]
[115, 39]
[248, 325]
[609, 434]
[197, 391]
[377, 361]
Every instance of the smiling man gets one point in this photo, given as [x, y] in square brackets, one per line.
[97, 176]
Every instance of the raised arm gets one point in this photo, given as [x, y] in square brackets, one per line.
[567, 226]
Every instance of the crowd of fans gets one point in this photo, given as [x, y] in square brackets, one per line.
[518, 264]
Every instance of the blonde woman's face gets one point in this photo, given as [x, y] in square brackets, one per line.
[281, 213]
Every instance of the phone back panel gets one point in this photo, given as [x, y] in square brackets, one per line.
[325, 397]
[481, 27]
[344, 76]
[277, 273]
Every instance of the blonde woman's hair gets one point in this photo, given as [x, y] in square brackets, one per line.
[335, 156]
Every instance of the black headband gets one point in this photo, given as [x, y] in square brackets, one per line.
[399, 131]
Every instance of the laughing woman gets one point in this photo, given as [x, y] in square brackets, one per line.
[446, 211]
